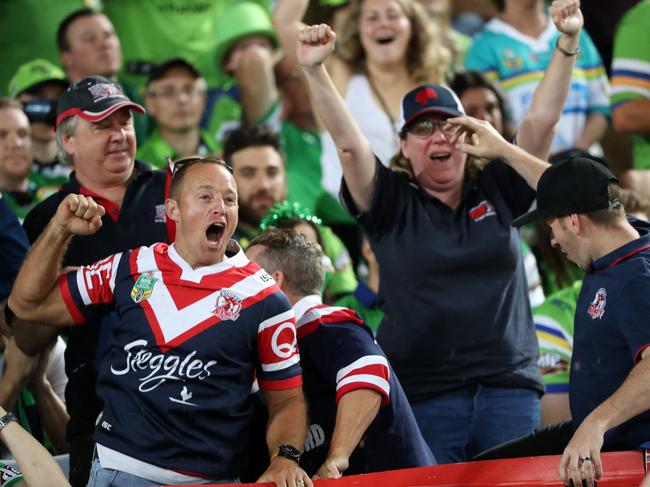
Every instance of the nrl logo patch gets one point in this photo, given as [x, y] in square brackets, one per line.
[228, 306]
[143, 287]
[597, 307]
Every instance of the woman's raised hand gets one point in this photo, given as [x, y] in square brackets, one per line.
[314, 44]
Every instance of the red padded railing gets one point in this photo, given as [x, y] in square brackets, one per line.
[621, 469]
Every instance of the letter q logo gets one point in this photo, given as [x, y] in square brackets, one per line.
[284, 350]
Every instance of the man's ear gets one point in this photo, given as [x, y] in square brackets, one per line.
[68, 143]
[279, 278]
[172, 210]
[576, 223]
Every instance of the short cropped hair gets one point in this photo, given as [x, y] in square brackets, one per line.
[612, 215]
[299, 259]
[62, 32]
[182, 165]
[255, 136]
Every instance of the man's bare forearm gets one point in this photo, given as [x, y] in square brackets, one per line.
[287, 423]
[356, 410]
[53, 414]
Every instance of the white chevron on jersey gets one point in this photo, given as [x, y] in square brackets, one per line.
[173, 322]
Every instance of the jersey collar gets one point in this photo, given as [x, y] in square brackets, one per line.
[305, 304]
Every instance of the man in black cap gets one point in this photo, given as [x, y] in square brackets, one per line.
[94, 130]
[578, 198]
[175, 97]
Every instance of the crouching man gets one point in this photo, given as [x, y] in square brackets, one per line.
[360, 418]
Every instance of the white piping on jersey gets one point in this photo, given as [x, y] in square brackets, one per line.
[367, 379]
[195, 275]
[360, 363]
[174, 322]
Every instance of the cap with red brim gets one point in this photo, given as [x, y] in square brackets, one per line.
[93, 98]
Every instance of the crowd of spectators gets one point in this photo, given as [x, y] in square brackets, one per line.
[400, 138]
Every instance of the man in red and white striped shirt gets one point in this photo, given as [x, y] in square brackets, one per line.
[360, 418]
[197, 320]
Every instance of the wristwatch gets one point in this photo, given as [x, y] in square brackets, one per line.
[6, 419]
[290, 452]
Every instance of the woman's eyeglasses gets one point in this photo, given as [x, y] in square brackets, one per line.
[426, 128]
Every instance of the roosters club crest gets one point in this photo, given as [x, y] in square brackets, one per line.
[597, 307]
[228, 306]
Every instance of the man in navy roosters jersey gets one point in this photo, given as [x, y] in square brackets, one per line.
[197, 321]
[578, 199]
[360, 419]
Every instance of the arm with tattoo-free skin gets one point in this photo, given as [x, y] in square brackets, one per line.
[38, 467]
[629, 400]
[538, 126]
[35, 295]
[287, 425]
[355, 411]
[315, 44]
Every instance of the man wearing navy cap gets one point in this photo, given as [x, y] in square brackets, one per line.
[579, 200]
[95, 134]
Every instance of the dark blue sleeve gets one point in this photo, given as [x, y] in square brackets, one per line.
[388, 200]
[13, 248]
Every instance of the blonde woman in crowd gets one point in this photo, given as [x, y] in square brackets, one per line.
[385, 49]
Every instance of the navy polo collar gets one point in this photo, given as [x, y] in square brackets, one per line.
[626, 251]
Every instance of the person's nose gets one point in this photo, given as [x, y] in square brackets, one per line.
[118, 134]
[14, 141]
[554, 242]
[219, 206]
[439, 135]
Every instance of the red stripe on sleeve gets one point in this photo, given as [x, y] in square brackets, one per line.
[355, 386]
[280, 385]
[77, 317]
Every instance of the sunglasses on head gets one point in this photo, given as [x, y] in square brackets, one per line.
[178, 164]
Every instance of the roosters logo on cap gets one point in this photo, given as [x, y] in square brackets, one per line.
[424, 95]
[104, 90]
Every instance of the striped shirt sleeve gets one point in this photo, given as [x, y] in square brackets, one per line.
[88, 286]
[277, 344]
[347, 355]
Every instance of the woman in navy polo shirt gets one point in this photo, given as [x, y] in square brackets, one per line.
[458, 328]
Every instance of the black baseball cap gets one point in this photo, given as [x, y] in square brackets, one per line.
[429, 98]
[93, 98]
[160, 70]
[575, 185]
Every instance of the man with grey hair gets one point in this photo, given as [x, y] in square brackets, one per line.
[360, 418]
[94, 131]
